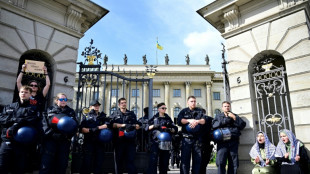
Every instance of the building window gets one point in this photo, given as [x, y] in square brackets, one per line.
[197, 92]
[176, 92]
[135, 92]
[156, 92]
[216, 96]
[176, 112]
[216, 112]
[115, 92]
[155, 110]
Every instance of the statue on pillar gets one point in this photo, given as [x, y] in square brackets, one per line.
[167, 59]
[105, 60]
[187, 59]
[144, 59]
[207, 59]
[125, 59]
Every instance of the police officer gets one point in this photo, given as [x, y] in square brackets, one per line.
[175, 151]
[13, 151]
[228, 149]
[125, 125]
[191, 119]
[207, 147]
[56, 143]
[142, 133]
[160, 122]
[93, 149]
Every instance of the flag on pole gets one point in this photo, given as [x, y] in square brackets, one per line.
[159, 46]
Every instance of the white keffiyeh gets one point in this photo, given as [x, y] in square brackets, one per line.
[270, 150]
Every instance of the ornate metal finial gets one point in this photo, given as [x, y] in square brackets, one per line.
[187, 60]
[151, 71]
[125, 59]
[167, 59]
[144, 60]
[91, 54]
[207, 59]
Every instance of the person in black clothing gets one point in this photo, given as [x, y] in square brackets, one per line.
[206, 148]
[228, 149]
[56, 144]
[176, 148]
[191, 119]
[142, 133]
[93, 149]
[14, 153]
[37, 98]
[125, 125]
[160, 122]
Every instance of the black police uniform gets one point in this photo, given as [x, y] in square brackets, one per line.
[56, 145]
[176, 149]
[13, 155]
[125, 147]
[93, 149]
[161, 124]
[228, 149]
[206, 148]
[142, 135]
[191, 142]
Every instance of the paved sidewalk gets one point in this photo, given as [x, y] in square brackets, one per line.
[211, 169]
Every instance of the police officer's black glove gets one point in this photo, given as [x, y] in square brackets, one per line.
[129, 127]
[92, 130]
[11, 131]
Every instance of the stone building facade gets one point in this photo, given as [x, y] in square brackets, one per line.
[46, 31]
[266, 40]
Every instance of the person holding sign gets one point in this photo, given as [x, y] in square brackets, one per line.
[37, 99]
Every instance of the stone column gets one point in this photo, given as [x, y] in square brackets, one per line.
[187, 90]
[209, 98]
[167, 96]
[146, 94]
[123, 88]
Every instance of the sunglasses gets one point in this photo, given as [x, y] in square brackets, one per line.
[163, 108]
[63, 99]
[33, 85]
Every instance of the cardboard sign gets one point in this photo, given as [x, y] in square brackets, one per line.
[34, 66]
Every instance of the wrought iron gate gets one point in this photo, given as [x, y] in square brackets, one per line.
[98, 82]
[272, 98]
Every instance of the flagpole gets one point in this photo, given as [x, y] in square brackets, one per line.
[156, 51]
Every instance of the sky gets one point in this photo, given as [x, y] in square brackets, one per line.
[132, 28]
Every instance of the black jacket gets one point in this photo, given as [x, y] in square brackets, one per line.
[92, 121]
[186, 113]
[49, 131]
[235, 126]
[128, 118]
[164, 123]
[17, 115]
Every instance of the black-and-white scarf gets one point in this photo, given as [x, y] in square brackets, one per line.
[270, 150]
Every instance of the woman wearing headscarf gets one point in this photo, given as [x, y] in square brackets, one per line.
[291, 154]
[263, 155]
